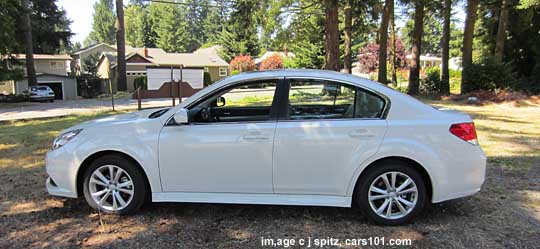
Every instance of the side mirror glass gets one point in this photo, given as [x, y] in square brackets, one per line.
[181, 116]
[220, 101]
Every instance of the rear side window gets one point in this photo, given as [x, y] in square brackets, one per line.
[319, 99]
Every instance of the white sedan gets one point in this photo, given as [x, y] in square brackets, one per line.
[289, 137]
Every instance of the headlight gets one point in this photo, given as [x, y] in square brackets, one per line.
[64, 138]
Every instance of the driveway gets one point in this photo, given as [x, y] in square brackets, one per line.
[30, 110]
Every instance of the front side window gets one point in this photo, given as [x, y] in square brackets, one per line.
[243, 103]
[320, 99]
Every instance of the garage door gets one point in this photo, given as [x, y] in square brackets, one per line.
[56, 87]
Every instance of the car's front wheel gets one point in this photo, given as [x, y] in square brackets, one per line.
[391, 193]
[114, 185]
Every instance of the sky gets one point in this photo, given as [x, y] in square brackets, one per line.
[80, 13]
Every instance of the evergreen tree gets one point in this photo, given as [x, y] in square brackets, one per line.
[136, 25]
[103, 30]
[168, 28]
[240, 35]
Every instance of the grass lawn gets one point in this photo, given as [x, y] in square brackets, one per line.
[506, 213]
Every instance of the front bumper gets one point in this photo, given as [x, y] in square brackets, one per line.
[62, 168]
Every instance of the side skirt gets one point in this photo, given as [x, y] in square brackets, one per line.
[268, 199]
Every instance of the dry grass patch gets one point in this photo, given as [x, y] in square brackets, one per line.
[505, 214]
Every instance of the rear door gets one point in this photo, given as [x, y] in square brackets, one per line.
[328, 128]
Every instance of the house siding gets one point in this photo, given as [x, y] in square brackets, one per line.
[78, 59]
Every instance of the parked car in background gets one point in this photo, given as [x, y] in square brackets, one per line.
[40, 93]
[289, 137]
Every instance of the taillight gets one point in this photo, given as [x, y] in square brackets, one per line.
[465, 131]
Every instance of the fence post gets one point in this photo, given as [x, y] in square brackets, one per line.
[139, 107]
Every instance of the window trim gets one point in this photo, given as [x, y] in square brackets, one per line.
[224, 74]
[283, 117]
[275, 109]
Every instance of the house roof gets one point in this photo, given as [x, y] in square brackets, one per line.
[209, 50]
[270, 53]
[82, 50]
[160, 58]
[44, 56]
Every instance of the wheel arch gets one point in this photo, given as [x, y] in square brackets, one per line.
[88, 160]
[412, 163]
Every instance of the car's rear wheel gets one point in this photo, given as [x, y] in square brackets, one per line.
[114, 185]
[391, 193]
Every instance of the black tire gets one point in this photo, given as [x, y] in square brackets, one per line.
[362, 191]
[140, 190]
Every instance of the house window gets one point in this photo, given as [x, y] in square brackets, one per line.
[56, 65]
[222, 71]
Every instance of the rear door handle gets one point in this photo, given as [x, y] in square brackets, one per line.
[255, 137]
[361, 133]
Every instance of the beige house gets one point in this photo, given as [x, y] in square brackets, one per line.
[51, 70]
[77, 64]
[139, 59]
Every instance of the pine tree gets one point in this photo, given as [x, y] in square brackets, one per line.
[104, 19]
[168, 27]
[241, 31]
[136, 25]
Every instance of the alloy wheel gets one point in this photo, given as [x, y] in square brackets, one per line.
[393, 195]
[111, 188]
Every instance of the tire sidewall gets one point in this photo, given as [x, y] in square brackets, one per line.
[379, 169]
[140, 189]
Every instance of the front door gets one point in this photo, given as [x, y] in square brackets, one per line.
[226, 147]
[327, 132]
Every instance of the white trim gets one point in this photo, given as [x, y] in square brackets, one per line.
[223, 75]
[140, 63]
[269, 199]
[56, 81]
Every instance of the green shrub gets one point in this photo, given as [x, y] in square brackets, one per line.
[490, 75]
[234, 72]
[431, 84]
[207, 80]
[141, 82]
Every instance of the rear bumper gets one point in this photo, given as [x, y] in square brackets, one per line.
[41, 98]
[464, 176]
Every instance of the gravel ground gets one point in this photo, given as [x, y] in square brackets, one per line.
[505, 214]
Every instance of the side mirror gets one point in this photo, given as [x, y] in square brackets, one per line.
[181, 116]
[220, 101]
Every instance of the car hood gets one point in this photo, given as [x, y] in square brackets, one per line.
[116, 119]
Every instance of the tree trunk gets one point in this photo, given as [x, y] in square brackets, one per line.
[332, 35]
[120, 46]
[468, 35]
[393, 44]
[501, 32]
[27, 25]
[347, 57]
[445, 74]
[414, 69]
[383, 41]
